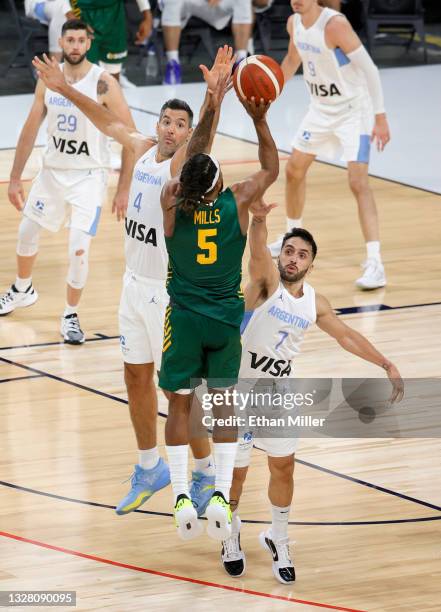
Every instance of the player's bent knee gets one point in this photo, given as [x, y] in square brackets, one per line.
[281, 468]
[28, 238]
[79, 243]
[138, 375]
[294, 172]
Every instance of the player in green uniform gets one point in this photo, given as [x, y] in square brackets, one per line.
[205, 230]
[107, 21]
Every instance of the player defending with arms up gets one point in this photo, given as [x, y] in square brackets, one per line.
[73, 178]
[272, 291]
[342, 81]
[205, 230]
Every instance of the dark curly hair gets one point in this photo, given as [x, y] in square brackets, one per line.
[196, 177]
[299, 232]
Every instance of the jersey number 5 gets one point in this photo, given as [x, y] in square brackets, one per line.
[210, 256]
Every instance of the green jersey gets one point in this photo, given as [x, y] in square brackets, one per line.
[94, 4]
[205, 261]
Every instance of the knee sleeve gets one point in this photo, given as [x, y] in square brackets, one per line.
[79, 243]
[28, 237]
[172, 12]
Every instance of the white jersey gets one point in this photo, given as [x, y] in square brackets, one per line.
[272, 335]
[146, 253]
[74, 143]
[330, 78]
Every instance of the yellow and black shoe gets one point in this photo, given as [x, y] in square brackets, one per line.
[218, 515]
[186, 518]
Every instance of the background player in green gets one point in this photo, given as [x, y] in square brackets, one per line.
[107, 21]
[205, 231]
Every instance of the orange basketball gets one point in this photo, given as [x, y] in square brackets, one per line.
[259, 76]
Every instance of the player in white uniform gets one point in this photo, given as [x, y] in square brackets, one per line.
[283, 307]
[346, 92]
[73, 177]
[144, 296]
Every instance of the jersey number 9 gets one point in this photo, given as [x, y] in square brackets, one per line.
[210, 247]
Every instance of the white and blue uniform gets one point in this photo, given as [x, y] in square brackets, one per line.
[73, 178]
[271, 338]
[340, 118]
[144, 296]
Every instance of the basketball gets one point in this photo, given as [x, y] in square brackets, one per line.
[259, 76]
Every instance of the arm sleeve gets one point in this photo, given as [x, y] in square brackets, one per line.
[143, 5]
[361, 59]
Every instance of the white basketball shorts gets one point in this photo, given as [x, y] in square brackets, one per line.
[178, 12]
[274, 447]
[344, 135]
[141, 319]
[57, 193]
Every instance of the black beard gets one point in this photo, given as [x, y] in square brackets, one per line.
[290, 278]
[67, 59]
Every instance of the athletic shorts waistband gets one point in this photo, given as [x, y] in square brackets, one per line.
[146, 280]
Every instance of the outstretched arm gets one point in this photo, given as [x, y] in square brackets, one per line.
[103, 118]
[264, 277]
[356, 343]
[218, 81]
[252, 188]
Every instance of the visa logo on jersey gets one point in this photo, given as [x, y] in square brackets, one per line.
[71, 147]
[323, 91]
[274, 367]
[141, 232]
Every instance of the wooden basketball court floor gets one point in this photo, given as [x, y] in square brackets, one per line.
[366, 518]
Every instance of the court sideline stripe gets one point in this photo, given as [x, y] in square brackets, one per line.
[326, 163]
[307, 463]
[145, 570]
[84, 502]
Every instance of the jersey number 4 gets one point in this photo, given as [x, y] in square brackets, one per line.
[208, 246]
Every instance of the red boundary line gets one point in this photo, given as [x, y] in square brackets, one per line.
[136, 568]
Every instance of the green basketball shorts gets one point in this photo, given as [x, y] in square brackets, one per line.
[109, 44]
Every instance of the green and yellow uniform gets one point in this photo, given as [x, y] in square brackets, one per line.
[108, 20]
[202, 322]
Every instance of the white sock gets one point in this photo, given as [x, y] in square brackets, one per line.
[172, 55]
[241, 54]
[279, 525]
[373, 250]
[205, 465]
[235, 523]
[70, 310]
[148, 459]
[251, 46]
[292, 223]
[178, 464]
[22, 283]
[224, 458]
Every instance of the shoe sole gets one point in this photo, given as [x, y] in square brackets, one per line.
[73, 342]
[188, 525]
[265, 546]
[218, 526]
[23, 304]
[364, 288]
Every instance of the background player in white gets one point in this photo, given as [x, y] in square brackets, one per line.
[72, 180]
[283, 306]
[345, 88]
[144, 297]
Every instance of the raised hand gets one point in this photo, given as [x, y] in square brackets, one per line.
[259, 209]
[256, 110]
[223, 64]
[49, 72]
